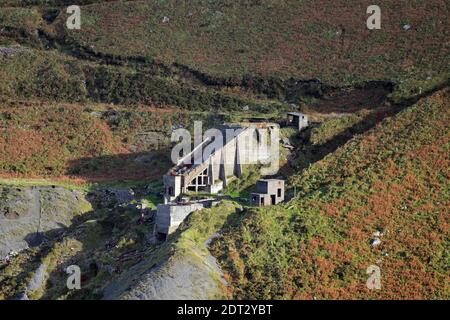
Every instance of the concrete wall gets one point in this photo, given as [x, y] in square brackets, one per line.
[173, 182]
[274, 185]
[269, 185]
[227, 161]
[298, 120]
[170, 216]
[215, 188]
[257, 197]
[266, 189]
[266, 199]
[262, 186]
[303, 122]
[245, 147]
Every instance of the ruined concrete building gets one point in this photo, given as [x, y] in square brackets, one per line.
[297, 120]
[197, 171]
[268, 192]
[249, 144]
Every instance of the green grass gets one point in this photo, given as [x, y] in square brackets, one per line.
[228, 45]
[53, 76]
[201, 225]
[41, 183]
[240, 188]
[392, 179]
[332, 127]
[87, 186]
[231, 55]
[414, 86]
[19, 17]
[152, 199]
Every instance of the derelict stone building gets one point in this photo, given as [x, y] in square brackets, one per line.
[248, 144]
[297, 120]
[268, 192]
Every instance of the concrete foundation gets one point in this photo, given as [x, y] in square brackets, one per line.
[169, 216]
[216, 187]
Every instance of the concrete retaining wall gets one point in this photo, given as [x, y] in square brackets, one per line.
[170, 216]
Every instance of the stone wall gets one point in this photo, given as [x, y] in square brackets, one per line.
[169, 216]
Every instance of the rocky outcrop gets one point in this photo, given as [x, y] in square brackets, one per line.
[188, 275]
[28, 212]
[182, 268]
[38, 279]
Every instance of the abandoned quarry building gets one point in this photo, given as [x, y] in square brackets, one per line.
[250, 144]
[268, 192]
[241, 144]
[297, 120]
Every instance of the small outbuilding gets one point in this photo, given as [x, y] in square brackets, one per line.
[297, 120]
[268, 192]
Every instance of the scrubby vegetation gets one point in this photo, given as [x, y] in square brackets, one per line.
[187, 263]
[105, 243]
[39, 140]
[390, 183]
[231, 40]
[52, 76]
[95, 108]
[125, 53]
[90, 141]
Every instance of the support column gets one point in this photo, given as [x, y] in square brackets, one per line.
[211, 177]
[237, 160]
[222, 173]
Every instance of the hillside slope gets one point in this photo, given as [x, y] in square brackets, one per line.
[290, 38]
[209, 54]
[99, 105]
[88, 142]
[28, 211]
[382, 199]
[182, 268]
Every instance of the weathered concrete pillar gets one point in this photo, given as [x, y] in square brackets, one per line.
[222, 172]
[237, 160]
[211, 177]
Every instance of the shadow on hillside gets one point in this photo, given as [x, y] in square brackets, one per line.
[96, 276]
[349, 100]
[307, 153]
[131, 166]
